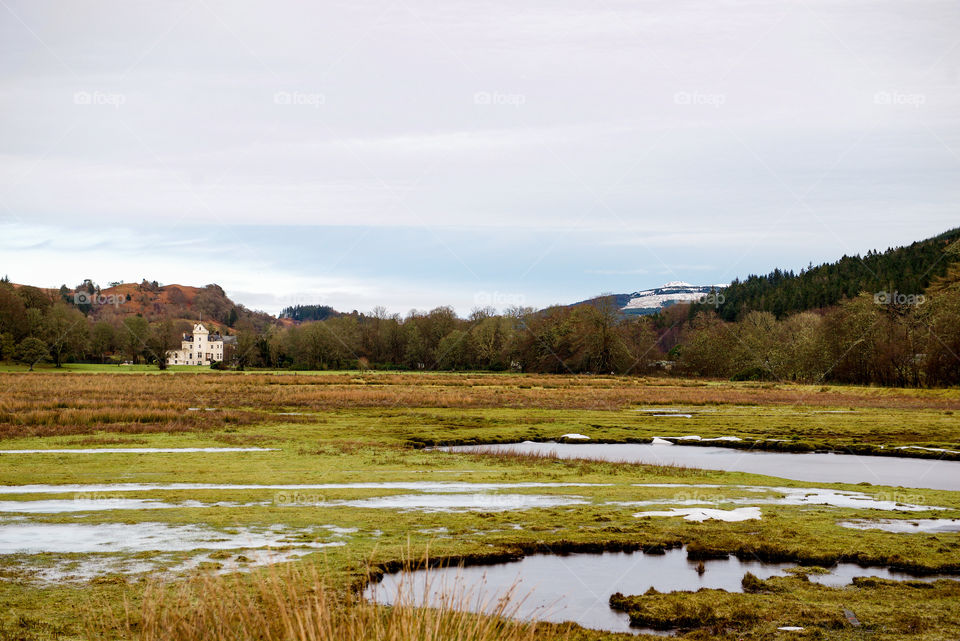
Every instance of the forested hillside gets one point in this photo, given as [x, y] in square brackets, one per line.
[135, 322]
[302, 313]
[908, 270]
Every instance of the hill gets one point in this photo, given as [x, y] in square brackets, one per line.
[651, 301]
[908, 270]
[152, 301]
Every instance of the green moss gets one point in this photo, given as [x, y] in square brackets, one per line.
[885, 609]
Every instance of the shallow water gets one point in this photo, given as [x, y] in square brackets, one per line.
[422, 486]
[446, 497]
[60, 506]
[449, 497]
[700, 514]
[429, 502]
[88, 504]
[821, 468]
[689, 495]
[481, 502]
[577, 587]
[143, 450]
[246, 549]
[37, 538]
[906, 526]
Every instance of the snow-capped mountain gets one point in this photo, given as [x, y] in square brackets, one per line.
[650, 301]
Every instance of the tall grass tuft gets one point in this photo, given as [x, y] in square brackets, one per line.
[290, 603]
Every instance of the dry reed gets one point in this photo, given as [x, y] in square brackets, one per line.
[291, 603]
[45, 404]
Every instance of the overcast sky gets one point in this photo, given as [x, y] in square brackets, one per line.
[414, 154]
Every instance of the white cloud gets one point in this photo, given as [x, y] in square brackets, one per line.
[745, 130]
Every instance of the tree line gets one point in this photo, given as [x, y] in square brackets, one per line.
[586, 338]
[883, 338]
[37, 327]
[911, 268]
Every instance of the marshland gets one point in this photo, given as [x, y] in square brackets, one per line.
[271, 505]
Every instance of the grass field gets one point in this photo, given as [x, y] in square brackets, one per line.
[341, 432]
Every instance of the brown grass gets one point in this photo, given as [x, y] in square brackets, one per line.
[46, 403]
[293, 604]
[585, 464]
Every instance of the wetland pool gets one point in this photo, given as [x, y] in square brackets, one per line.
[893, 471]
[577, 587]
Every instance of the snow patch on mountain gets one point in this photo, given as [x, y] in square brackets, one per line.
[653, 300]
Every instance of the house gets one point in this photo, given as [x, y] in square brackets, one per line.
[200, 348]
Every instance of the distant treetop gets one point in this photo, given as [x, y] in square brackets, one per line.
[301, 313]
[908, 270]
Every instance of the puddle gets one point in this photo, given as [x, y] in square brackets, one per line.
[434, 530]
[85, 569]
[143, 450]
[434, 502]
[813, 467]
[445, 500]
[62, 506]
[79, 570]
[700, 514]
[905, 526]
[154, 546]
[461, 502]
[242, 561]
[791, 496]
[81, 505]
[67, 538]
[336, 530]
[422, 486]
[577, 587]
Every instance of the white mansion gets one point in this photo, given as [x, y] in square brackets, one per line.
[200, 348]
